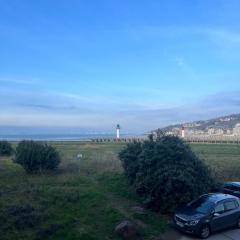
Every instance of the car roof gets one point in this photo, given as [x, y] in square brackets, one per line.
[216, 197]
[233, 183]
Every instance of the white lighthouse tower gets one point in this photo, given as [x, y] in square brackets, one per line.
[183, 132]
[118, 131]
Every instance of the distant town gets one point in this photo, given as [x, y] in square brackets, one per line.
[227, 127]
[185, 132]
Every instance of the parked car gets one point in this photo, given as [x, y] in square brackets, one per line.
[232, 188]
[209, 213]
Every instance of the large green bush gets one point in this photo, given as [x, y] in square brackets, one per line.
[165, 172]
[5, 148]
[36, 157]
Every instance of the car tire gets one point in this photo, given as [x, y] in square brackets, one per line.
[205, 232]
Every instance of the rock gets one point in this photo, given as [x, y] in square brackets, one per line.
[126, 229]
[139, 210]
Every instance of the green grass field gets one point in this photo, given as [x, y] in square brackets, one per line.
[224, 159]
[86, 198]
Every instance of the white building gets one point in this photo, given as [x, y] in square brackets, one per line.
[229, 132]
[219, 131]
[211, 131]
[236, 130]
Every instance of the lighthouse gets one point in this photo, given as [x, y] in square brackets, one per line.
[118, 131]
[183, 132]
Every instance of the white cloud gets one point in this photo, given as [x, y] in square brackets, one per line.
[179, 61]
[224, 36]
[134, 119]
[28, 81]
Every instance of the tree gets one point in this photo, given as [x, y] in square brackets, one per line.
[36, 157]
[5, 148]
[165, 172]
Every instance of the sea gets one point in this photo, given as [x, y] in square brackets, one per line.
[18, 133]
[63, 137]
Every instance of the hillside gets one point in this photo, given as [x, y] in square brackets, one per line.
[225, 123]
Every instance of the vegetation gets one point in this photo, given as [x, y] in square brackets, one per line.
[166, 172]
[5, 148]
[223, 159]
[36, 157]
[85, 199]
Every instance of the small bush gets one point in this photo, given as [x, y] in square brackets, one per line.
[24, 216]
[36, 157]
[165, 172]
[5, 148]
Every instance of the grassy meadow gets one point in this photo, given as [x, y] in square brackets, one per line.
[87, 197]
[223, 159]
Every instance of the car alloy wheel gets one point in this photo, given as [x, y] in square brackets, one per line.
[205, 232]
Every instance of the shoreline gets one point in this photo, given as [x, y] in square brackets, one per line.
[77, 138]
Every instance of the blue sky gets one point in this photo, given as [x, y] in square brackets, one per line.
[92, 64]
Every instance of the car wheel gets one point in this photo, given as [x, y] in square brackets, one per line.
[205, 232]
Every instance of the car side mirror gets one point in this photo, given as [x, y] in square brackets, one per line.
[216, 214]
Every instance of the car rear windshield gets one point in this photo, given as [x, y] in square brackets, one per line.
[202, 205]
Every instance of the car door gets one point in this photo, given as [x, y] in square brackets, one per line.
[231, 211]
[219, 217]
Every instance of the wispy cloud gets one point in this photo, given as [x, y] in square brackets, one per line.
[18, 80]
[223, 35]
[179, 61]
[226, 42]
[64, 112]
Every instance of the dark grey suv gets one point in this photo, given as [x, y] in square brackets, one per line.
[232, 188]
[209, 213]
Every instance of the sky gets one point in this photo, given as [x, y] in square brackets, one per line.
[91, 64]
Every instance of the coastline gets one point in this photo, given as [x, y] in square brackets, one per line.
[65, 137]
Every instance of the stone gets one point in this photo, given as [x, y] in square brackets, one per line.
[126, 229]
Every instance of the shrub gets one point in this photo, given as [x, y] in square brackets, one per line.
[24, 216]
[36, 157]
[165, 172]
[5, 148]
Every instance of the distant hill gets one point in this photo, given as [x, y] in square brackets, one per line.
[224, 123]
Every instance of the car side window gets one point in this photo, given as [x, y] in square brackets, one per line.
[236, 188]
[229, 187]
[233, 188]
[219, 208]
[229, 205]
[236, 203]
